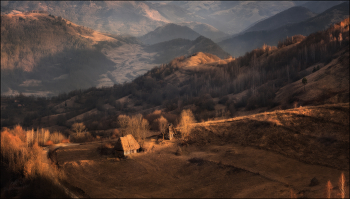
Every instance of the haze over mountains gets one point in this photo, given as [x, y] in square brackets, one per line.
[56, 51]
[292, 15]
[43, 55]
[320, 6]
[240, 44]
[140, 17]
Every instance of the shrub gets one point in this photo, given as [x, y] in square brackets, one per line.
[57, 137]
[78, 127]
[81, 137]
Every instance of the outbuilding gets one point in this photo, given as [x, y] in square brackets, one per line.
[127, 145]
[170, 132]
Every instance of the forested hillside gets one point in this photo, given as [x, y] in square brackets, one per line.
[28, 37]
[40, 51]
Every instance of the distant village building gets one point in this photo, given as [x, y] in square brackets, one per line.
[127, 145]
[169, 135]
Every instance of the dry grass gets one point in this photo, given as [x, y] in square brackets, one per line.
[317, 135]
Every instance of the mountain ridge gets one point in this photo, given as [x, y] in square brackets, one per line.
[292, 15]
[245, 42]
[185, 47]
[168, 32]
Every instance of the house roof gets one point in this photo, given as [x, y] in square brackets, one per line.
[127, 143]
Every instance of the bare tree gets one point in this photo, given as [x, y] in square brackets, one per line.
[135, 125]
[163, 124]
[186, 123]
[123, 121]
[78, 127]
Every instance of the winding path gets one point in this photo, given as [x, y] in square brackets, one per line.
[47, 151]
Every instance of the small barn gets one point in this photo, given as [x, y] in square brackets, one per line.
[169, 135]
[126, 145]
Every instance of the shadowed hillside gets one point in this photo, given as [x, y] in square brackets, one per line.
[320, 6]
[292, 15]
[41, 51]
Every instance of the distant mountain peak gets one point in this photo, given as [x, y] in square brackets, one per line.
[168, 32]
[292, 15]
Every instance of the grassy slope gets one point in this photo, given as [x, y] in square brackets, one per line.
[316, 135]
[330, 84]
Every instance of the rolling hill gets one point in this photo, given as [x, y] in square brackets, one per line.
[243, 43]
[168, 32]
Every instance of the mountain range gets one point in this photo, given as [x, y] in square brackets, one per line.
[242, 43]
[137, 18]
[40, 51]
[264, 79]
[292, 15]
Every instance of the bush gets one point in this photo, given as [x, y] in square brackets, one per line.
[78, 127]
[81, 137]
[57, 137]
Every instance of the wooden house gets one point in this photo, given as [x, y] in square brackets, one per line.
[169, 135]
[126, 145]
